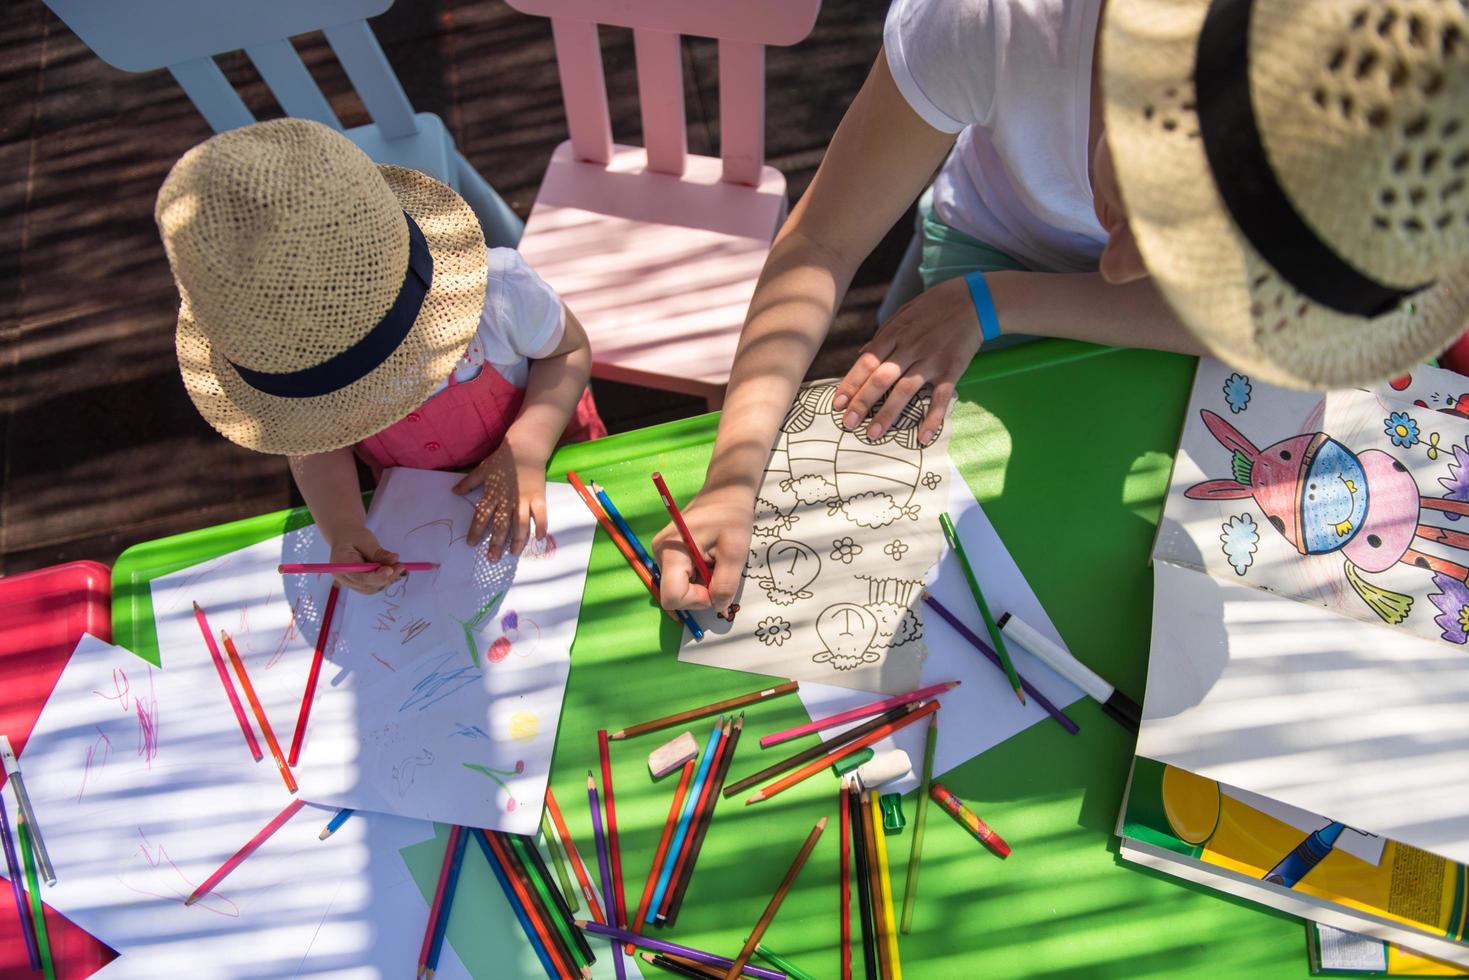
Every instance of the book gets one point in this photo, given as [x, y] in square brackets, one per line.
[1335, 952]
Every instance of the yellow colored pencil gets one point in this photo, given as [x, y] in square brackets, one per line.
[889, 921]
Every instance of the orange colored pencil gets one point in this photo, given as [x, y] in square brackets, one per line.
[616, 536]
[673, 814]
[255, 706]
[533, 911]
[310, 695]
[569, 846]
[816, 765]
[239, 856]
[614, 854]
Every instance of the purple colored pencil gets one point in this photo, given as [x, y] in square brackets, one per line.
[994, 658]
[606, 868]
[620, 936]
[12, 866]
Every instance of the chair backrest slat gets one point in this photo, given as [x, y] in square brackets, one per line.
[741, 111]
[367, 67]
[210, 91]
[290, 82]
[660, 95]
[583, 88]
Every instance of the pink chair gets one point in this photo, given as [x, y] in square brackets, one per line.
[656, 250]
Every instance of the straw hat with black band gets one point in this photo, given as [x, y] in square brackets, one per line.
[1295, 176]
[323, 297]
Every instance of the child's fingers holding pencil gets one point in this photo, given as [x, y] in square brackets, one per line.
[363, 547]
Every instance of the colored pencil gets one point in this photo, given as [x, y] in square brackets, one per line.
[522, 899]
[701, 566]
[614, 515]
[664, 946]
[951, 803]
[1117, 705]
[864, 880]
[683, 873]
[551, 894]
[348, 567]
[255, 706]
[16, 874]
[606, 522]
[680, 968]
[245, 851]
[455, 832]
[874, 885]
[614, 852]
[681, 833]
[441, 922]
[24, 810]
[853, 714]
[674, 810]
[33, 885]
[503, 877]
[781, 963]
[704, 711]
[885, 882]
[577, 865]
[335, 823]
[554, 846]
[605, 868]
[952, 534]
[984, 648]
[537, 904]
[763, 923]
[914, 712]
[844, 907]
[818, 750]
[229, 687]
[915, 851]
[309, 694]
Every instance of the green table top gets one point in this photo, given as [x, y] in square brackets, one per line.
[1068, 447]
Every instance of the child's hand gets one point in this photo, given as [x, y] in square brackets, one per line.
[360, 546]
[514, 493]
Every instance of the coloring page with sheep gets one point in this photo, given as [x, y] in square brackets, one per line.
[846, 527]
[1356, 499]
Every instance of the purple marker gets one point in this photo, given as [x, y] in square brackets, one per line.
[12, 867]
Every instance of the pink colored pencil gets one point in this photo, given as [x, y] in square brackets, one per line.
[438, 902]
[229, 687]
[332, 567]
[872, 708]
[310, 694]
[239, 856]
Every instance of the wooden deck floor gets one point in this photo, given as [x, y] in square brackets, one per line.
[101, 446]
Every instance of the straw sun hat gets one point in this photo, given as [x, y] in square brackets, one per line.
[324, 297]
[1295, 175]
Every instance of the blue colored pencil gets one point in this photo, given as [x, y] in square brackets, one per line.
[456, 861]
[525, 923]
[692, 802]
[335, 823]
[606, 868]
[643, 556]
[12, 867]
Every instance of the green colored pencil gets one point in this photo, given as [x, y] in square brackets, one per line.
[33, 886]
[915, 852]
[781, 963]
[554, 846]
[996, 637]
[562, 924]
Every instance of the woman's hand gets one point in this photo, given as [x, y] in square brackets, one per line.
[720, 520]
[931, 339]
[359, 545]
[514, 493]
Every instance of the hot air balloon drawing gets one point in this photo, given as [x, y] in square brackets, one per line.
[789, 568]
[846, 630]
[892, 600]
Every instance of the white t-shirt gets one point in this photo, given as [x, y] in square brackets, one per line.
[523, 320]
[1013, 79]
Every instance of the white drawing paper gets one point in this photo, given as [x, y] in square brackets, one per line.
[982, 711]
[443, 694]
[845, 529]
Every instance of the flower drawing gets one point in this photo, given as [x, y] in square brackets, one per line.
[1457, 482]
[1402, 429]
[773, 631]
[1452, 601]
[932, 480]
[1237, 392]
[844, 550]
[895, 549]
[1240, 536]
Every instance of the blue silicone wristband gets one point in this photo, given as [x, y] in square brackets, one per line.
[984, 305]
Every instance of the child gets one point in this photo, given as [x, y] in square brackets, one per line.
[332, 306]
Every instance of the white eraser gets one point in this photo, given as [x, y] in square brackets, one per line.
[884, 768]
[669, 756]
[7, 756]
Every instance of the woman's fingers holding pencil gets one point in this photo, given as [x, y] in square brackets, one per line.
[720, 523]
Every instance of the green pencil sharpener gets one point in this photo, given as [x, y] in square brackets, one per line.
[848, 763]
[891, 805]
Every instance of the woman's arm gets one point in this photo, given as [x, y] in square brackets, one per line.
[328, 484]
[881, 157]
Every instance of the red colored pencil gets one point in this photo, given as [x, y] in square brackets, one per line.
[700, 565]
[683, 872]
[333, 567]
[239, 856]
[310, 693]
[569, 846]
[682, 859]
[533, 909]
[673, 812]
[229, 687]
[614, 853]
[255, 706]
[438, 903]
[846, 858]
